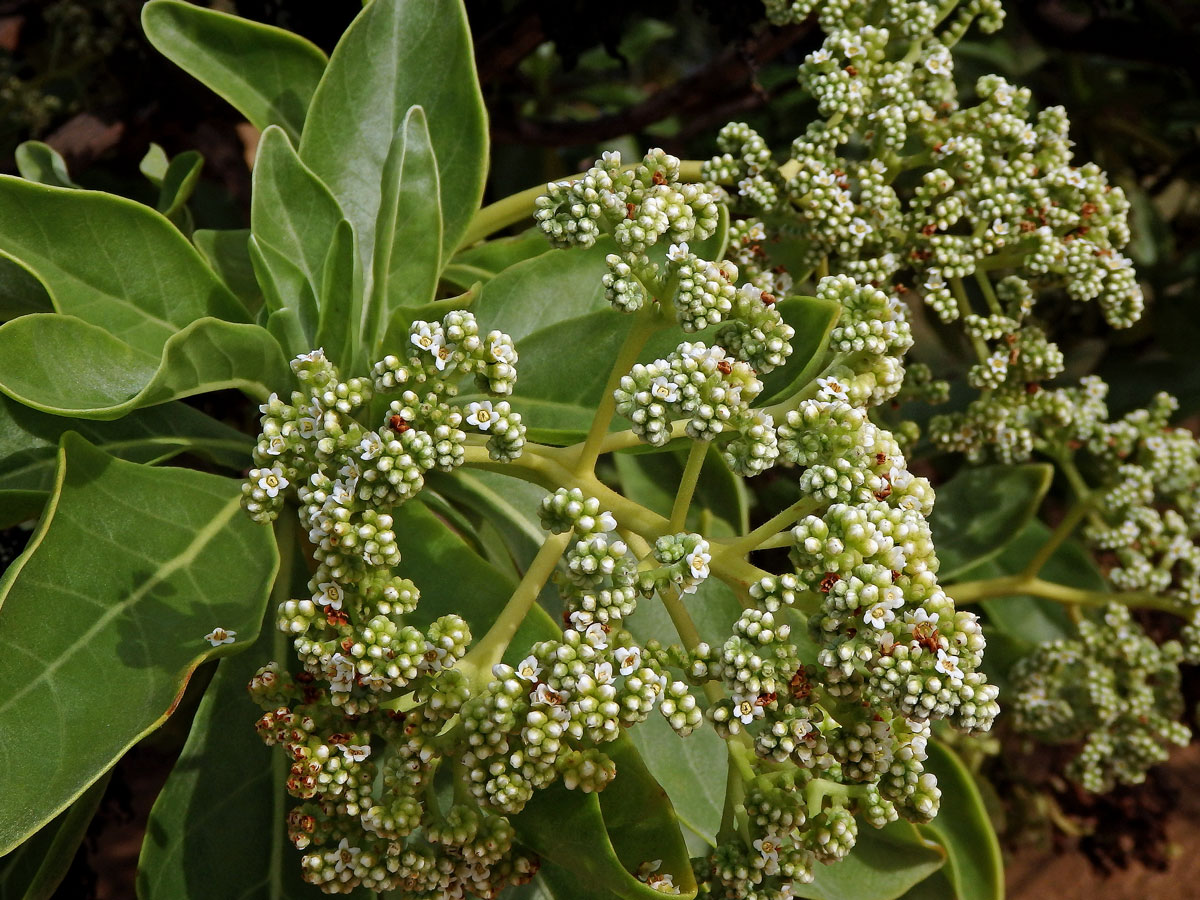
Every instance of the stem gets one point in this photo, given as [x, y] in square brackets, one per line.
[645, 324]
[516, 207]
[687, 485]
[491, 647]
[767, 531]
[1023, 585]
[989, 295]
[964, 310]
[286, 535]
[1063, 531]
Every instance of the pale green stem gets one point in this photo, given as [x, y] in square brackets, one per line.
[1062, 531]
[989, 294]
[768, 530]
[687, 485]
[1022, 585]
[964, 310]
[286, 535]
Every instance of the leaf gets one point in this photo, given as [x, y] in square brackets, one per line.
[267, 73]
[178, 183]
[228, 254]
[340, 301]
[983, 508]
[29, 440]
[397, 54]
[408, 232]
[42, 163]
[20, 291]
[653, 480]
[812, 319]
[217, 828]
[112, 262]
[105, 378]
[154, 164]
[884, 864]
[293, 217]
[485, 261]
[138, 564]
[35, 869]
[962, 826]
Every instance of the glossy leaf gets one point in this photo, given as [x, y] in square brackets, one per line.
[154, 164]
[169, 556]
[812, 319]
[20, 292]
[42, 163]
[29, 440]
[983, 508]
[178, 183]
[268, 74]
[884, 864]
[397, 54]
[114, 263]
[228, 254]
[340, 301]
[35, 869]
[408, 232]
[105, 378]
[962, 826]
[217, 829]
[485, 261]
[293, 217]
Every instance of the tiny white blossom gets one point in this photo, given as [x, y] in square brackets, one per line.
[832, 389]
[596, 636]
[481, 414]
[611, 157]
[219, 636]
[999, 227]
[347, 856]
[747, 709]
[860, 227]
[664, 390]
[879, 615]
[948, 665]
[604, 673]
[276, 445]
[819, 56]
[433, 659]
[528, 669]
[678, 252]
[307, 427]
[341, 673]
[317, 355]
[547, 695]
[629, 659]
[351, 472]
[425, 338]
[272, 481]
[331, 595]
[370, 446]
[444, 356]
[356, 752]
[342, 494]
[769, 848]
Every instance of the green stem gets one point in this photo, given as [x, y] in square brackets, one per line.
[768, 530]
[1023, 585]
[490, 649]
[989, 294]
[1062, 531]
[287, 534]
[687, 485]
[964, 310]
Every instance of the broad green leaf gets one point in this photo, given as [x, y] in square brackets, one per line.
[936, 887]
[397, 54]
[20, 292]
[408, 232]
[19, 505]
[962, 826]
[812, 319]
[293, 218]
[284, 326]
[113, 263]
[35, 869]
[138, 565]
[653, 480]
[538, 292]
[713, 247]
[29, 440]
[217, 828]
[178, 183]
[884, 864]
[154, 164]
[485, 261]
[983, 508]
[340, 301]
[267, 73]
[41, 163]
[105, 378]
[228, 254]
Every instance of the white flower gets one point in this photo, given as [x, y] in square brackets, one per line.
[596, 636]
[342, 494]
[433, 659]
[825, 179]
[879, 615]
[481, 414]
[272, 481]
[860, 227]
[307, 427]
[425, 338]
[746, 709]
[317, 355]
[580, 620]
[219, 636]
[948, 665]
[893, 597]
[769, 848]
[276, 445]
[605, 522]
[664, 884]
[938, 62]
[341, 673]
[934, 281]
[629, 659]
[370, 446]
[831, 389]
[919, 617]
[351, 472]
[331, 595]
[697, 562]
[444, 356]
[604, 673]
[547, 695]
[528, 669]
[819, 56]
[347, 856]
[356, 752]
[678, 252]
[663, 390]
[611, 157]
[999, 227]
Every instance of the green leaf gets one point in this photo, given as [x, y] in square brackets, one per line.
[105, 378]
[884, 864]
[340, 301]
[228, 254]
[485, 261]
[178, 183]
[138, 564]
[154, 164]
[217, 828]
[267, 73]
[962, 826]
[113, 263]
[397, 54]
[812, 319]
[653, 479]
[293, 218]
[20, 291]
[408, 232]
[29, 440]
[41, 163]
[983, 508]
